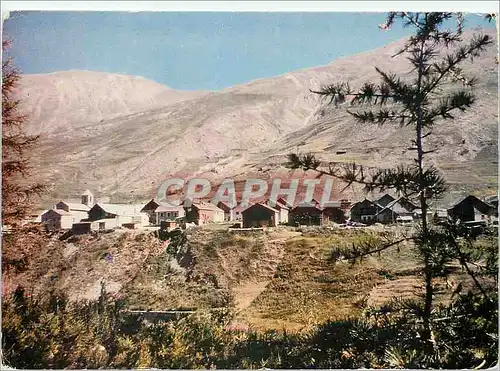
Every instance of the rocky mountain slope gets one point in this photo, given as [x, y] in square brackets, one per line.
[131, 134]
[63, 101]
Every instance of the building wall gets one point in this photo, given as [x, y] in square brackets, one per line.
[218, 216]
[283, 216]
[52, 221]
[228, 212]
[305, 216]
[256, 216]
[149, 209]
[88, 200]
[464, 211]
[104, 224]
[97, 213]
[81, 228]
[67, 221]
[387, 216]
[205, 216]
[191, 214]
[169, 215]
[363, 211]
[333, 215]
[151, 216]
[55, 221]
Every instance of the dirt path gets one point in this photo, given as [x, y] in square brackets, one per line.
[246, 293]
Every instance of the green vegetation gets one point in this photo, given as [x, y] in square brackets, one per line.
[51, 332]
[336, 317]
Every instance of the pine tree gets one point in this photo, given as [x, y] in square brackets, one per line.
[17, 191]
[417, 102]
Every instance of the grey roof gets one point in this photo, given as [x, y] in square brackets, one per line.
[57, 211]
[331, 204]
[284, 201]
[480, 205]
[374, 203]
[264, 206]
[240, 208]
[206, 206]
[278, 205]
[382, 202]
[396, 207]
[122, 209]
[75, 206]
[162, 208]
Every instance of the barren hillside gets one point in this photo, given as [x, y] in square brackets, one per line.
[127, 148]
[63, 101]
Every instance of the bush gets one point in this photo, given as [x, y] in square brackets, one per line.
[50, 332]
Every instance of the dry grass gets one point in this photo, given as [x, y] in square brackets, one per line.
[309, 288]
[280, 279]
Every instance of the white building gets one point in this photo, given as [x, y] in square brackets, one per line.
[64, 213]
[164, 213]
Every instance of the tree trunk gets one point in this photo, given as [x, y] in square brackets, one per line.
[428, 274]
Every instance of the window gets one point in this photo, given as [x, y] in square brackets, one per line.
[102, 225]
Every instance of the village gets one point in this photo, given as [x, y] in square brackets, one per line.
[91, 215]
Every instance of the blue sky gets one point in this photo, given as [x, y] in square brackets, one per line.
[193, 50]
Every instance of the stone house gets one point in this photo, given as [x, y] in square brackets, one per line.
[58, 219]
[168, 213]
[202, 213]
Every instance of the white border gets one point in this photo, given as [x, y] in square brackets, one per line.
[252, 6]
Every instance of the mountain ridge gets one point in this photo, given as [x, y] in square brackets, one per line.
[244, 128]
